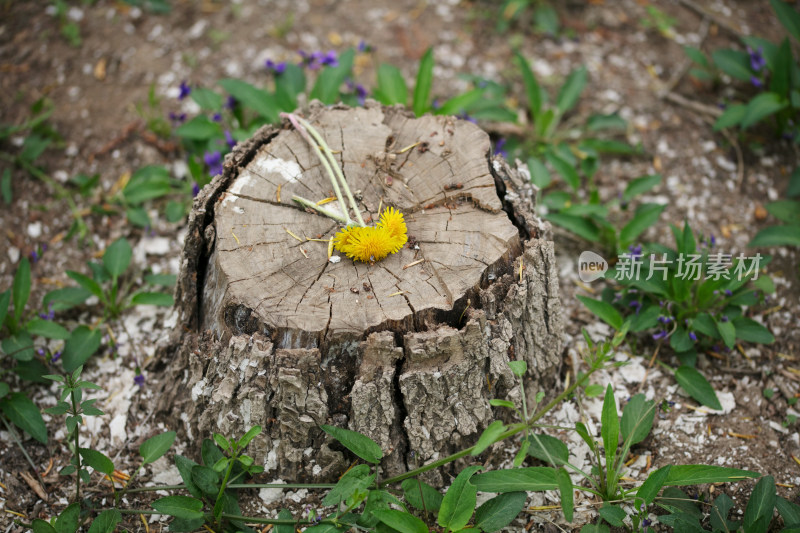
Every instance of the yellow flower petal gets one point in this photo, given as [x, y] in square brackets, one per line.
[373, 243]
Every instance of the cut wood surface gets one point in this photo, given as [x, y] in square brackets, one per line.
[407, 350]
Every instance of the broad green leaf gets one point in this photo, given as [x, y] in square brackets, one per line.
[565, 169]
[680, 475]
[4, 389]
[97, 460]
[606, 122]
[164, 280]
[200, 128]
[5, 186]
[781, 81]
[732, 116]
[571, 90]
[391, 86]
[178, 506]
[567, 496]
[153, 181]
[540, 176]
[359, 444]
[652, 485]
[326, 89]
[106, 522]
[610, 146]
[87, 283]
[256, 99]
[533, 479]
[518, 368]
[788, 16]
[285, 514]
[461, 104]
[25, 415]
[497, 513]
[536, 96]
[637, 419]
[5, 300]
[459, 501]
[80, 346]
[67, 521]
[41, 526]
[207, 99]
[401, 521]
[184, 467]
[788, 235]
[210, 453]
[609, 429]
[785, 210]
[727, 331]
[680, 341]
[66, 298]
[249, 435]
[749, 330]
[612, 514]
[488, 437]
[578, 225]
[19, 346]
[422, 89]
[734, 63]
[794, 184]
[605, 311]
[718, 517]
[502, 403]
[421, 495]
[21, 287]
[355, 479]
[152, 298]
[696, 55]
[758, 513]
[206, 480]
[548, 449]
[640, 185]
[47, 329]
[646, 215]
[290, 83]
[156, 446]
[646, 319]
[117, 257]
[697, 386]
[762, 106]
[790, 512]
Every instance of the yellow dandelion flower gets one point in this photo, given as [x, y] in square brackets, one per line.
[373, 243]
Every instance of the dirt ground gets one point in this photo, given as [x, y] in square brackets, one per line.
[95, 88]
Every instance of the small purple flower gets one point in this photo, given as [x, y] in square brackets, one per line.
[757, 61]
[35, 255]
[728, 292]
[498, 147]
[712, 242]
[362, 94]
[185, 90]
[436, 104]
[659, 335]
[636, 251]
[665, 319]
[646, 522]
[693, 336]
[49, 315]
[229, 140]
[277, 68]
[363, 46]
[177, 117]
[216, 117]
[40, 351]
[213, 161]
[636, 304]
[139, 379]
[756, 82]
[230, 103]
[464, 116]
[724, 318]
[716, 292]
[330, 59]
[195, 189]
[56, 356]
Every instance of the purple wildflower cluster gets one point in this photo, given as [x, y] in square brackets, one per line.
[185, 90]
[758, 64]
[499, 148]
[37, 253]
[213, 161]
[275, 68]
[360, 90]
[315, 60]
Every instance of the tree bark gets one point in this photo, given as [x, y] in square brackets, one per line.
[408, 350]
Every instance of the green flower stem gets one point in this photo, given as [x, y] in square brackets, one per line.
[516, 428]
[319, 209]
[329, 154]
[291, 486]
[295, 120]
[75, 412]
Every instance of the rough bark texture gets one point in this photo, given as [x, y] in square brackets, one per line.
[272, 333]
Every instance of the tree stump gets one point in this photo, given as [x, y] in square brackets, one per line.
[408, 350]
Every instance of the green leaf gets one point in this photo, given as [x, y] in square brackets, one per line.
[640, 185]
[606, 122]
[580, 226]
[19, 346]
[221, 441]
[153, 181]
[421, 495]
[401, 521]
[4, 388]
[184, 467]
[326, 89]
[758, 513]
[67, 521]
[727, 331]
[533, 479]
[25, 415]
[637, 419]
[47, 329]
[734, 63]
[87, 283]
[646, 319]
[518, 368]
[290, 83]
[612, 514]
[422, 89]
[156, 446]
[179, 506]
[138, 216]
[502, 403]
[548, 449]
[42, 526]
[201, 128]
[540, 176]
[210, 453]
[777, 236]
[571, 90]
[97, 460]
[567, 496]
[207, 99]
[117, 257]
[459, 501]
[609, 430]
[488, 437]
[652, 485]
[595, 528]
[603, 310]
[680, 341]
[697, 386]
[285, 514]
[790, 512]
[152, 298]
[646, 215]
[732, 116]
[361, 445]
[63, 299]
[762, 106]
[258, 100]
[21, 288]
[565, 169]
[5, 300]
[80, 346]
[106, 522]
[680, 475]
[5, 186]
[794, 184]
[206, 480]
[460, 104]
[781, 81]
[696, 55]
[788, 16]
[497, 513]
[749, 330]
[391, 86]
[356, 479]
[718, 517]
[536, 96]
[251, 433]
[785, 210]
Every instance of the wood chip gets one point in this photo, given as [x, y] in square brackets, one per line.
[34, 484]
[418, 261]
